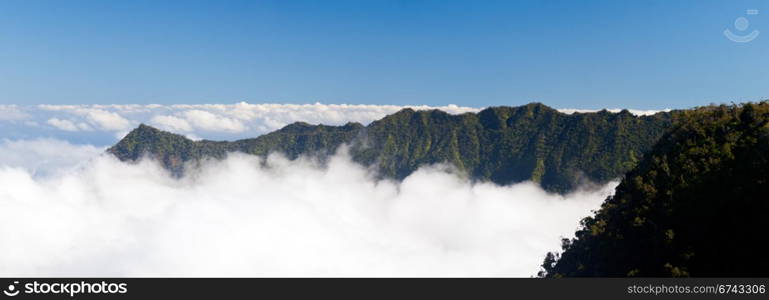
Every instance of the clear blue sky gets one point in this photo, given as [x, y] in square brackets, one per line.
[577, 54]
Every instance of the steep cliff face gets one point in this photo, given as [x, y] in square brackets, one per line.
[500, 144]
[696, 205]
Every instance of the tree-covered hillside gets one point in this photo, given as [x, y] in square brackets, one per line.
[501, 144]
[696, 205]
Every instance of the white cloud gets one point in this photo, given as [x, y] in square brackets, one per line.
[109, 121]
[79, 118]
[44, 156]
[208, 121]
[286, 218]
[63, 124]
[171, 123]
[67, 125]
[12, 113]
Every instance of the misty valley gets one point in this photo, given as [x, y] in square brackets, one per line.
[692, 181]
[504, 191]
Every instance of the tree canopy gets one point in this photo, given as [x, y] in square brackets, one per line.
[696, 205]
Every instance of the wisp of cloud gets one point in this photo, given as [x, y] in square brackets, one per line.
[244, 216]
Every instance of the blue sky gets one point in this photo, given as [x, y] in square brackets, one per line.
[575, 54]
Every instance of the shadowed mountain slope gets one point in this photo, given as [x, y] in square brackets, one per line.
[696, 205]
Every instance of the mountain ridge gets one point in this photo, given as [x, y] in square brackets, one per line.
[501, 144]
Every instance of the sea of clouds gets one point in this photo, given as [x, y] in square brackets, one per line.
[104, 124]
[70, 210]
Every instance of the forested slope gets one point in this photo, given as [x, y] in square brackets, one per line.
[697, 205]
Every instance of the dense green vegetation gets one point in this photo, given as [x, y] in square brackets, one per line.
[696, 205]
[501, 144]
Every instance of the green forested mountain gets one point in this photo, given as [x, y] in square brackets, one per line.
[696, 205]
[501, 144]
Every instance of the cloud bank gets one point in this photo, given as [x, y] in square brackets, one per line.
[103, 124]
[44, 156]
[239, 217]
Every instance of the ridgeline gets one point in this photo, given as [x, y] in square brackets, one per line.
[499, 144]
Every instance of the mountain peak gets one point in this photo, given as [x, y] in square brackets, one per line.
[143, 129]
[297, 126]
[146, 139]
